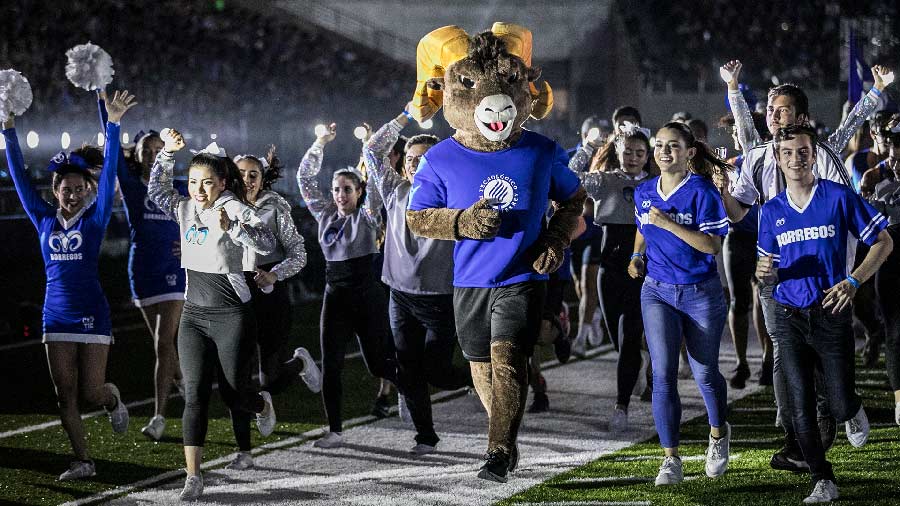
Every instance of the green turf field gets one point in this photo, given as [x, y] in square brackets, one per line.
[865, 476]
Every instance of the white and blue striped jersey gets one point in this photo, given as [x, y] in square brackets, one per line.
[814, 245]
[694, 204]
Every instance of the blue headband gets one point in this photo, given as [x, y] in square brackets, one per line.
[61, 159]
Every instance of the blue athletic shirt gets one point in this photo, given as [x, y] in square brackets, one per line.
[814, 247]
[74, 302]
[521, 179]
[694, 204]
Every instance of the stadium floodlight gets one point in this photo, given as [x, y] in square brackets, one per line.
[425, 125]
[321, 130]
[101, 139]
[593, 134]
[125, 138]
[360, 132]
[32, 139]
[65, 140]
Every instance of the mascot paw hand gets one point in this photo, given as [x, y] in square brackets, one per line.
[481, 221]
[549, 256]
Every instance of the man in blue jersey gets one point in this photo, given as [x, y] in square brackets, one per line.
[807, 241]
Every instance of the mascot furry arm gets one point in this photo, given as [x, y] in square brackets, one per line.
[486, 86]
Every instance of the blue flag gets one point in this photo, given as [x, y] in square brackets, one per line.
[858, 73]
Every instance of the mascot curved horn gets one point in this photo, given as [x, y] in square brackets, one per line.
[519, 43]
[435, 52]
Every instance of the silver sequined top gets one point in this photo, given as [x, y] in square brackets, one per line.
[612, 192]
[290, 252]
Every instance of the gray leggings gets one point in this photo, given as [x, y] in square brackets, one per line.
[217, 342]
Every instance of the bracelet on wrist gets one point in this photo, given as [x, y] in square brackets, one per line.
[853, 281]
[407, 114]
[637, 255]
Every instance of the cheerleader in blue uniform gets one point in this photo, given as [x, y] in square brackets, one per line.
[154, 267]
[77, 330]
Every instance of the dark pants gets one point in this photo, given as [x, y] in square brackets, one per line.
[425, 336]
[360, 310]
[217, 341]
[865, 304]
[807, 339]
[620, 302]
[889, 305]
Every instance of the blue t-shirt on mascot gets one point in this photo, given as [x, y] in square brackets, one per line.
[694, 204]
[520, 178]
[814, 246]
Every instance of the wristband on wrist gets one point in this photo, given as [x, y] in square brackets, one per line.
[407, 114]
[853, 281]
[637, 255]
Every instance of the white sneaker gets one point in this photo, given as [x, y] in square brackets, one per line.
[329, 441]
[717, 454]
[79, 469]
[311, 375]
[193, 488]
[619, 420]
[403, 410]
[243, 460]
[154, 428]
[421, 449]
[824, 491]
[118, 417]
[579, 346]
[641, 384]
[670, 472]
[857, 429]
[597, 332]
[897, 413]
[265, 421]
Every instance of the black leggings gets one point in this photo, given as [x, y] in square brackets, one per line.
[216, 342]
[360, 310]
[889, 304]
[620, 302]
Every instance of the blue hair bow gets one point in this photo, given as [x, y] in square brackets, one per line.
[61, 159]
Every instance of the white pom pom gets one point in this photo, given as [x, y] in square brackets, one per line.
[725, 74]
[15, 93]
[89, 67]
[888, 78]
[593, 134]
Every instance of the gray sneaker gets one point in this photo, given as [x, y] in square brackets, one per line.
[311, 375]
[670, 472]
[857, 428]
[717, 454]
[421, 449]
[265, 421]
[619, 420]
[79, 469]
[118, 416]
[243, 460]
[193, 488]
[824, 491]
[154, 428]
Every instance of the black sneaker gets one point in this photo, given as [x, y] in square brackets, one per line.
[827, 431]
[540, 403]
[495, 467]
[789, 459]
[381, 407]
[739, 380]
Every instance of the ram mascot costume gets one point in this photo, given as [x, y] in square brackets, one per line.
[488, 188]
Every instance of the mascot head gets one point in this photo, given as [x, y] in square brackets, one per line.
[484, 83]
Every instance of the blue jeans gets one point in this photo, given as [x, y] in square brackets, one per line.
[697, 312]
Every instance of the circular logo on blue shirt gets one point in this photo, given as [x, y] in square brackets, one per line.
[501, 190]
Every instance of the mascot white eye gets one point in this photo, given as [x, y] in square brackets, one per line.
[513, 78]
[468, 83]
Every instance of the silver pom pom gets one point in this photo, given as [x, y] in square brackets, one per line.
[15, 93]
[89, 67]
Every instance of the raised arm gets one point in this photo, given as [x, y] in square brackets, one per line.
[35, 207]
[159, 188]
[115, 109]
[307, 176]
[842, 134]
[748, 137]
[384, 178]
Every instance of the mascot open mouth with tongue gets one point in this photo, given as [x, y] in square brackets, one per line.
[488, 188]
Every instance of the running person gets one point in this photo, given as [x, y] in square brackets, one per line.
[266, 276]
[154, 267]
[77, 330]
[681, 222]
[620, 295]
[217, 333]
[807, 237]
[419, 272]
[354, 303]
